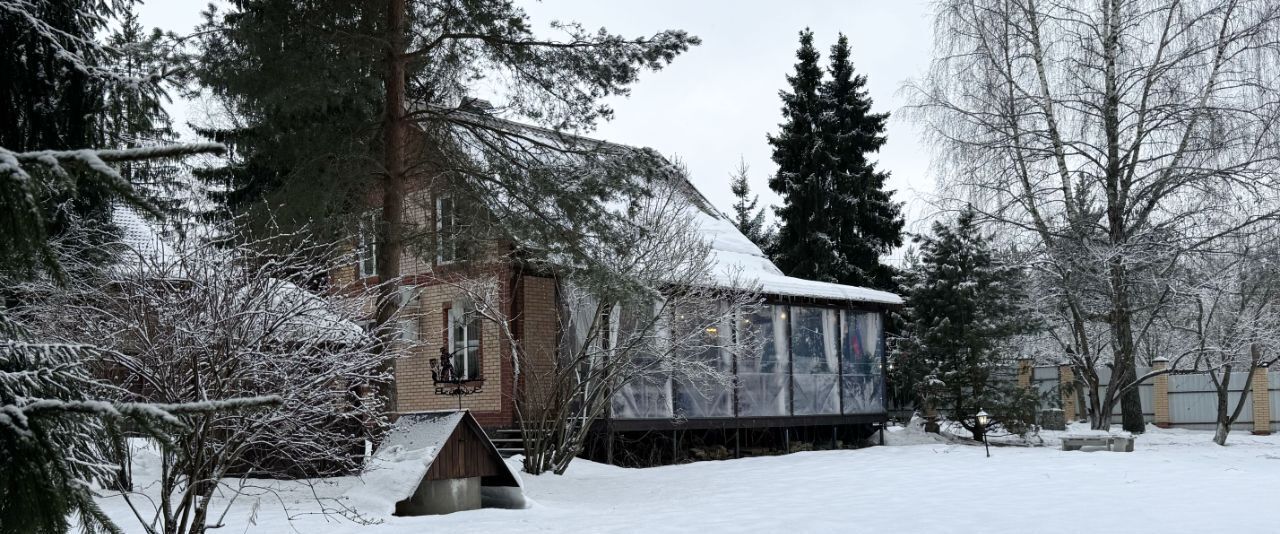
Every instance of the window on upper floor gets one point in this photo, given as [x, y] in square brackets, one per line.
[448, 230]
[367, 243]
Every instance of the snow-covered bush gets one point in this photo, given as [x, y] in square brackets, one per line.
[197, 323]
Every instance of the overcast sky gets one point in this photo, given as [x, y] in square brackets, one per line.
[717, 102]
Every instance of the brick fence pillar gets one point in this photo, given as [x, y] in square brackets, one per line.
[1261, 402]
[1024, 373]
[1160, 393]
[1067, 388]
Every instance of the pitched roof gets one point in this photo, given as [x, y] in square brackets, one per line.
[406, 454]
[143, 241]
[736, 257]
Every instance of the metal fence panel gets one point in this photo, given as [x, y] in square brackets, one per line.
[1146, 390]
[1274, 380]
[1192, 397]
[1193, 400]
[1044, 373]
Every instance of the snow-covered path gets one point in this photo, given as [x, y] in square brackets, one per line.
[1176, 481]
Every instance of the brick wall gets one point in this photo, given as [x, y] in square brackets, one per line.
[1261, 402]
[539, 329]
[415, 391]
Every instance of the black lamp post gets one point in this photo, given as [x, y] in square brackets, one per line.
[983, 417]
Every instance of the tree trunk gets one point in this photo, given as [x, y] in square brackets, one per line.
[1124, 373]
[1101, 419]
[389, 233]
[1220, 433]
[1095, 402]
[1131, 410]
[1224, 420]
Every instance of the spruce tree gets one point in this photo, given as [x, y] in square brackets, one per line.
[69, 91]
[805, 244]
[746, 216]
[836, 219]
[54, 427]
[868, 222]
[50, 93]
[301, 81]
[963, 307]
[133, 115]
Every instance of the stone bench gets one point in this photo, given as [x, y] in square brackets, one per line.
[1110, 442]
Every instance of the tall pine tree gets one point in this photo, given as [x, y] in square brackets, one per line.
[805, 245]
[963, 307]
[746, 216]
[868, 221]
[836, 219]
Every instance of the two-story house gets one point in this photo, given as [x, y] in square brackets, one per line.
[820, 373]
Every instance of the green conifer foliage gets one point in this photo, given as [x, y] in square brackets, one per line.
[963, 310]
[836, 220]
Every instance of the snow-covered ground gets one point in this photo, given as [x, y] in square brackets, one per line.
[1175, 481]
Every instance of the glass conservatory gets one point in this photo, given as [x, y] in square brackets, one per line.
[811, 363]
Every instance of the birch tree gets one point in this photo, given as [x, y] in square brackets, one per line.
[1107, 132]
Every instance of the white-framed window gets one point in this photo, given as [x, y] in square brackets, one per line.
[409, 314]
[367, 243]
[447, 230]
[464, 340]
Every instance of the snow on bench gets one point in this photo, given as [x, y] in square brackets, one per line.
[1118, 442]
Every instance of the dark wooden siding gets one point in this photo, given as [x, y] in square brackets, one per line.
[466, 454]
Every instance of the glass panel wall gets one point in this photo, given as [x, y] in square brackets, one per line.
[800, 361]
[698, 393]
[861, 367]
[815, 335]
[648, 395]
[763, 388]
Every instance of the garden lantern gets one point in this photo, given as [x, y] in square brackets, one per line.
[983, 417]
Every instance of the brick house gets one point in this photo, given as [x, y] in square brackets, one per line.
[821, 367]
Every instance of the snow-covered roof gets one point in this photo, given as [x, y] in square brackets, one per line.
[144, 243]
[407, 451]
[308, 315]
[738, 257]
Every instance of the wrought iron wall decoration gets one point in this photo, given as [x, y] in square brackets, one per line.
[446, 380]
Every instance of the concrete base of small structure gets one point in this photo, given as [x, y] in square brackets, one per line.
[442, 497]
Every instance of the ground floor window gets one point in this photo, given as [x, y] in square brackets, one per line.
[763, 382]
[465, 327]
[706, 395]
